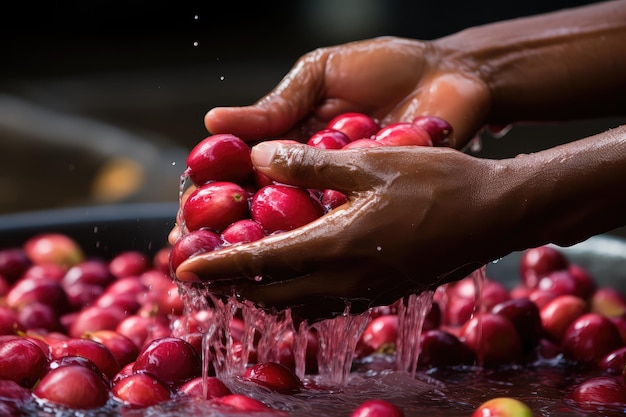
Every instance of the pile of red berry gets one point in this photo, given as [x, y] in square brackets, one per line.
[229, 202]
[113, 335]
[556, 315]
[110, 335]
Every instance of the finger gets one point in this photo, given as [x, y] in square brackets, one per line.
[174, 234]
[311, 167]
[462, 101]
[276, 113]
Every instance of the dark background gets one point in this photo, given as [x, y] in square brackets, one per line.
[100, 101]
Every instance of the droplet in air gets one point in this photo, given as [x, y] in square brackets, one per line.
[195, 43]
[379, 248]
[222, 78]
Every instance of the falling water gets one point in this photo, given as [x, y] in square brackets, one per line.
[263, 333]
[411, 315]
[337, 342]
[479, 276]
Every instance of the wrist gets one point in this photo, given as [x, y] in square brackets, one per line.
[556, 66]
[565, 194]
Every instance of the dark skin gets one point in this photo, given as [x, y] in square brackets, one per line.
[419, 217]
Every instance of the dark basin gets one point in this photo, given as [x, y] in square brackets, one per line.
[100, 230]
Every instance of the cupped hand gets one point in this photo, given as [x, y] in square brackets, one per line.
[390, 79]
[410, 224]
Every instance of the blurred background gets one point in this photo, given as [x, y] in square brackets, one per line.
[101, 101]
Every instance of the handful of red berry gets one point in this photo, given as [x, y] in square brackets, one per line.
[229, 202]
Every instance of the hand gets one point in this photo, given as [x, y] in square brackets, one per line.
[410, 225]
[390, 79]
[418, 217]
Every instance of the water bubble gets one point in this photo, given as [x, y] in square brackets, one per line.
[195, 17]
[195, 43]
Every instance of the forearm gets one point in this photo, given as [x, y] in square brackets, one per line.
[568, 193]
[557, 66]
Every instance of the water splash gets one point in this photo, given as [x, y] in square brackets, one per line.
[337, 342]
[411, 315]
[479, 276]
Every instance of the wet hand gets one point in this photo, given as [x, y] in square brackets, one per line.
[409, 225]
[390, 79]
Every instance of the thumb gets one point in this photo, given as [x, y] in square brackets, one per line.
[310, 167]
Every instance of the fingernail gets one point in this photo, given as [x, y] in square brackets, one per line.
[263, 153]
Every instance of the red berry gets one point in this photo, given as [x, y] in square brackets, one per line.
[403, 134]
[438, 128]
[170, 359]
[328, 139]
[222, 157]
[274, 376]
[282, 207]
[140, 390]
[193, 243]
[73, 386]
[215, 205]
[242, 231]
[377, 408]
[354, 125]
